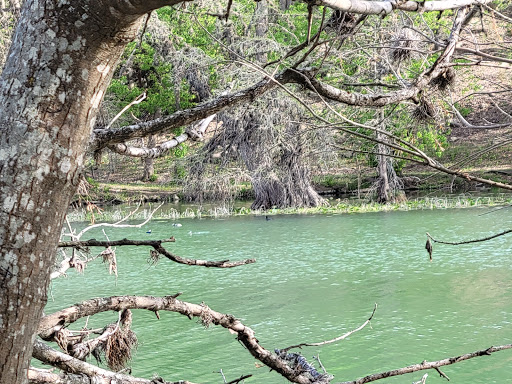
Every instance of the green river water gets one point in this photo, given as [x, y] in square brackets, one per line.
[317, 277]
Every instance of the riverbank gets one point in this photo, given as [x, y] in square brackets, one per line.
[356, 189]
[177, 210]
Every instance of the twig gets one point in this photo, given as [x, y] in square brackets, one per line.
[223, 377]
[118, 225]
[139, 99]
[317, 358]
[441, 373]
[423, 379]
[335, 339]
[241, 378]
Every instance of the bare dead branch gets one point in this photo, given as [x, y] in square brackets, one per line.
[466, 124]
[245, 335]
[469, 241]
[423, 379]
[139, 99]
[428, 365]
[113, 243]
[241, 378]
[484, 55]
[365, 7]
[118, 223]
[195, 133]
[335, 339]
[441, 373]
[157, 245]
[76, 371]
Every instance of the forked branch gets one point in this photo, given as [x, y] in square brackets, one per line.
[51, 324]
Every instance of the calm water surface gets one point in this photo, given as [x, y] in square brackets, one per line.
[317, 277]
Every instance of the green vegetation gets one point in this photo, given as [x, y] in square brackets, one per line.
[333, 207]
[185, 57]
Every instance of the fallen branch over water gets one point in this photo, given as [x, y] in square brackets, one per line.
[469, 241]
[428, 365]
[157, 245]
[77, 371]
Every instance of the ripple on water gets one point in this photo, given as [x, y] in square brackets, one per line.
[315, 279]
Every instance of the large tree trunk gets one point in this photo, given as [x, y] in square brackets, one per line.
[149, 162]
[383, 188]
[389, 185]
[282, 185]
[60, 63]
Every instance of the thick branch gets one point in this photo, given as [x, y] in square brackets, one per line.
[113, 243]
[428, 365]
[194, 133]
[51, 323]
[385, 7]
[76, 371]
[157, 245]
[106, 137]
[305, 77]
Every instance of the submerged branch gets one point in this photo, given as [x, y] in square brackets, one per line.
[469, 241]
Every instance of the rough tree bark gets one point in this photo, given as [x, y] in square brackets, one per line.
[389, 185]
[60, 63]
[149, 168]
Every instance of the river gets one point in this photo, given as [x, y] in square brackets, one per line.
[317, 277]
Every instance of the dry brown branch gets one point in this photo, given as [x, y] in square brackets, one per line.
[195, 133]
[245, 335]
[428, 365]
[335, 339]
[77, 371]
[157, 245]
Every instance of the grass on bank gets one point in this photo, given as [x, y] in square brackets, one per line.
[334, 206]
